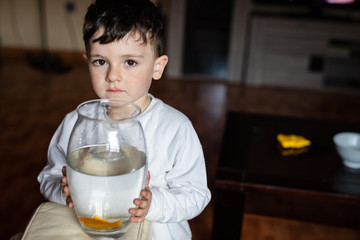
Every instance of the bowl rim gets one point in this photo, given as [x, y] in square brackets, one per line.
[338, 144]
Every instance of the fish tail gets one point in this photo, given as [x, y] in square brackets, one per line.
[117, 223]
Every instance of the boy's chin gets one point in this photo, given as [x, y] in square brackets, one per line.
[113, 96]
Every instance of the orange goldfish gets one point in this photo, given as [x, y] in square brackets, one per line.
[99, 223]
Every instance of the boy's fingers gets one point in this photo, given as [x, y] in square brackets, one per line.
[137, 212]
[69, 202]
[64, 181]
[66, 191]
[137, 219]
[142, 204]
[64, 171]
[147, 180]
[146, 194]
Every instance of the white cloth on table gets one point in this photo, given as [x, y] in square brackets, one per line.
[58, 222]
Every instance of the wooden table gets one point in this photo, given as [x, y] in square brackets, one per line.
[255, 176]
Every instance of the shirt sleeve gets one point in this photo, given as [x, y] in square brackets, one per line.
[186, 194]
[50, 177]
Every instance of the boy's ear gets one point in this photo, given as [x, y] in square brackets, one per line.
[85, 58]
[159, 66]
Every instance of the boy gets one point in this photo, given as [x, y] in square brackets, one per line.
[124, 52]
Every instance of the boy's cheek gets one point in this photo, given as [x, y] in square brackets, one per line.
[97, 79]
[99, 88]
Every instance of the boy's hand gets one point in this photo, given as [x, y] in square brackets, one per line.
[65, 186]
[143, 204]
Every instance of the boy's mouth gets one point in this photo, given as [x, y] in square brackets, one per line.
[115, 90]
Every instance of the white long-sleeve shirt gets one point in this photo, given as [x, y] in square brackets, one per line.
[175, 160]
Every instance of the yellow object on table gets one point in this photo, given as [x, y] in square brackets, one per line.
[58, 222]
[293, 141]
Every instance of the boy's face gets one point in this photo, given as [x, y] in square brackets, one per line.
[124, 69]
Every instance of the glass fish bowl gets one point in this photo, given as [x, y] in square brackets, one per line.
[107, 166]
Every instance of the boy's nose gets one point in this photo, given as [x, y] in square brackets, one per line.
[114, 74]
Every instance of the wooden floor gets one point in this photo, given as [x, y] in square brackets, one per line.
[33, 103]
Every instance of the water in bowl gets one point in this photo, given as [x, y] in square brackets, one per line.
[103, 183]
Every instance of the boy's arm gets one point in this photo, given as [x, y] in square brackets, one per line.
[50, 177]
[186, 194]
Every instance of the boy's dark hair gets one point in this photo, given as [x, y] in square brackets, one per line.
[120, 17]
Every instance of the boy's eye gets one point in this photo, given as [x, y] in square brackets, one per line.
[130, 63]
[99, 62]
